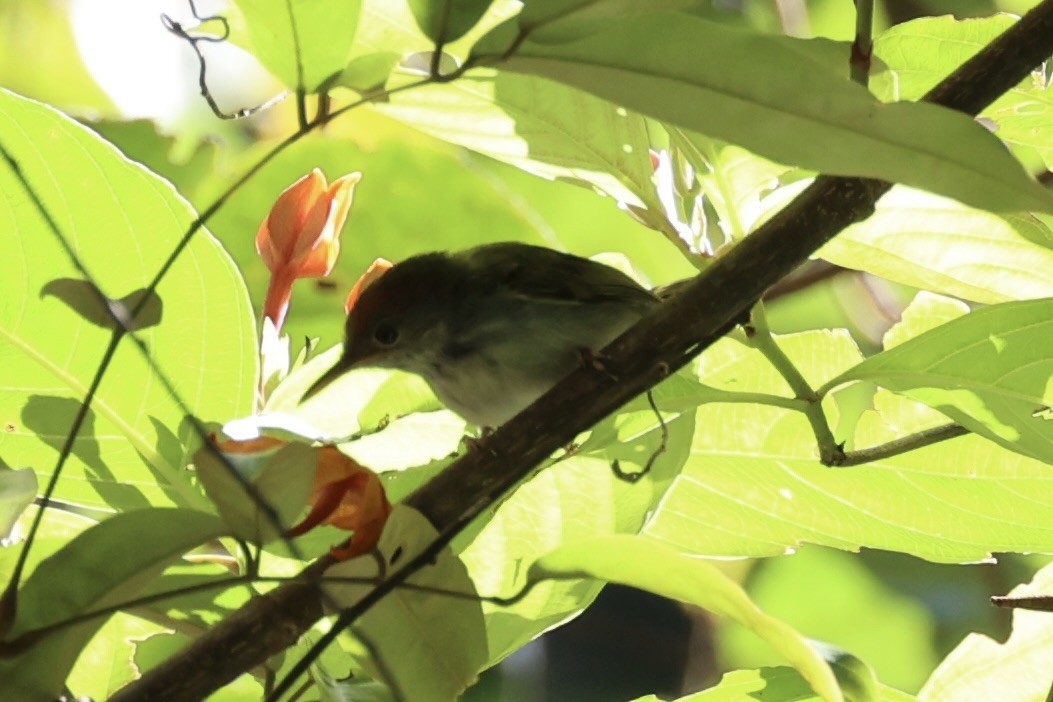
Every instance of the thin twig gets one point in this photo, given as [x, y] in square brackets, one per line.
[663, 445]
[903, 444]
[1035, 603]
[177, 29]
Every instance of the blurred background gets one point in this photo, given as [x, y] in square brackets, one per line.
[111, 64]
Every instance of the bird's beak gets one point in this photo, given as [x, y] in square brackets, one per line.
[342, 366]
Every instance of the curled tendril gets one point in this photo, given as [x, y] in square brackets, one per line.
[177, 29]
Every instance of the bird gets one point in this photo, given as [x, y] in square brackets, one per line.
[490, 328]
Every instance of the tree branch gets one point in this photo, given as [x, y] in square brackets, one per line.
[662, 342]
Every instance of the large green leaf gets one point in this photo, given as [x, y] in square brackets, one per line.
[657, 568]
[325, 30]
[103, 566]
[427, 645]
[538, 125]
[559, 20]
[123, 222]
[990, 370]
[753, 485]
[577, 499]
[1016, 670]
[767, 94]
[281, 477]
[919, 53]
[933, 243]
[447, 20]
[108, 662]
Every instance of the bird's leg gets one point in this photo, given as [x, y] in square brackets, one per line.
[478, 443]
[595, 360]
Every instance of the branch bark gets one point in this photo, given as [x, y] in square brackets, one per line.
[680, 329]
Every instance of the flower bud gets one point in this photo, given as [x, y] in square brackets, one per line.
[300, 237]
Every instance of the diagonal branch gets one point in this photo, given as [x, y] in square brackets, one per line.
[705, 309]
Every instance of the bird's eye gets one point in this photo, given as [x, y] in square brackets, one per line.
[386, 334]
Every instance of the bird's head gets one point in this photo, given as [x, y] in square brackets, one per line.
[395, 321]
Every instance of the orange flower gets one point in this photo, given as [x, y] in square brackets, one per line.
[347, 496]
[344, 494]
[300, 237]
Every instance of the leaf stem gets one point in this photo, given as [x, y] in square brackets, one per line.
[758, 336]
[863, 44]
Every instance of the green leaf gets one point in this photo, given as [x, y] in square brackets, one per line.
[538, 125]
[561, 20]
[105, 565]
[388, 26]
[325, 30]
[282, 479]
[654, 567]
[195, 612]
[760, 92]
[989, 371]
[937, 244]
[1016, 670]
[17, 490]
[753, 484]
[367, 73]
[428, 646]
[107, 662]
[924, 313]
[447, 20]
[772, 685]
[123, 222]
[923, 51]
[576, 499]
[57, 528]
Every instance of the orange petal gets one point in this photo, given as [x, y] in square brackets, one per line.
[313, 232]
[325, 503]
[348, 496]
[376, 269]
[341, 194]
[265, 247]
[289, 215]
[321, 257]
[260, 444]
[320, 260]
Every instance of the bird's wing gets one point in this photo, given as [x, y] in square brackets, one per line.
[536, 272]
